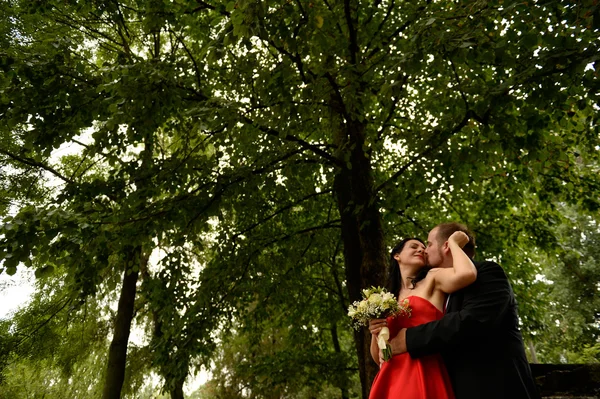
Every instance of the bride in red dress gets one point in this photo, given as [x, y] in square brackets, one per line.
[426, 290]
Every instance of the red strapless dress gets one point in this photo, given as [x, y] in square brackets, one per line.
[403, 377]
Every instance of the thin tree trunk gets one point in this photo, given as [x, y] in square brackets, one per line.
[338, 349]
[174, 382]
[117, 354]
[532, 351]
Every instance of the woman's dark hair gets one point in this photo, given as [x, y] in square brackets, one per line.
[395, 277]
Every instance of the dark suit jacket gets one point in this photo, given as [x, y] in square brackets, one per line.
[480, 340]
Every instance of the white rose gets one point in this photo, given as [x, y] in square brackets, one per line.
[362, 307]
[376, 299]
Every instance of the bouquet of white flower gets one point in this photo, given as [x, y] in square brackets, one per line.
[377, 304]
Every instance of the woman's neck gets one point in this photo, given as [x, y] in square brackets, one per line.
[408, 273]
[407, 283]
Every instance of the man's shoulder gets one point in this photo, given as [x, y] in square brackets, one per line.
[486, 264]
[490, 269]
[488, 272]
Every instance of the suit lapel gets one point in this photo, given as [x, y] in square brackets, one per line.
[454, 302]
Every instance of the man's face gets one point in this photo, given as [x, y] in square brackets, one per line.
[434, 252]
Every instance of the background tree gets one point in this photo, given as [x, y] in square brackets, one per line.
[53, 347]
[570, 330]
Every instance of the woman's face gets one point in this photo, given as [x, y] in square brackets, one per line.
[413, 253]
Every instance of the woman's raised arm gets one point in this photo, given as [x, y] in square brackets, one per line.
[462, 272]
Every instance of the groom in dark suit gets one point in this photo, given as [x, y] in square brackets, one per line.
[479, 335]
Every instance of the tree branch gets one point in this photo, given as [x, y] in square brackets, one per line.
[39, 327]
[394, 34]
[295, 58]
[411, 220]
[76, 25]
[223, 187]
[336, 278]
[328, 225]
[338, 94]
[444, 136]
[311, 147]
[303, 21]
[374, 6]
[381, 24]
[462, 94]
[204, 6]
[34, 163]
[335, 19]
[391, 111]
[196, 69]
[279, 211]
[353, 45]
[449, 203]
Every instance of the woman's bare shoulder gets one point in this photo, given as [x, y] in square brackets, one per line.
[433, 271]
[430, 277]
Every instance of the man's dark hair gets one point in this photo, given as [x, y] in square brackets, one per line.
[445, 230]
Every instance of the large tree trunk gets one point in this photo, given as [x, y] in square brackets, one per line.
[362, 233]
[117, 354]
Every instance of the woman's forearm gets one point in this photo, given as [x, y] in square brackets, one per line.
[461, 274]
[464, 269]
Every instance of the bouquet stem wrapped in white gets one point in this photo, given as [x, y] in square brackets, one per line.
[377, 304]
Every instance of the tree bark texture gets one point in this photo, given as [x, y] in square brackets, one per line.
[362, 234]
[177, 391]
[338, 349]
[117, 354]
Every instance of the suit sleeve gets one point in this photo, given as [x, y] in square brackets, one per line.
[484, 304]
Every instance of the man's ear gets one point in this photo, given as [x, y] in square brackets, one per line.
[446, 248]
